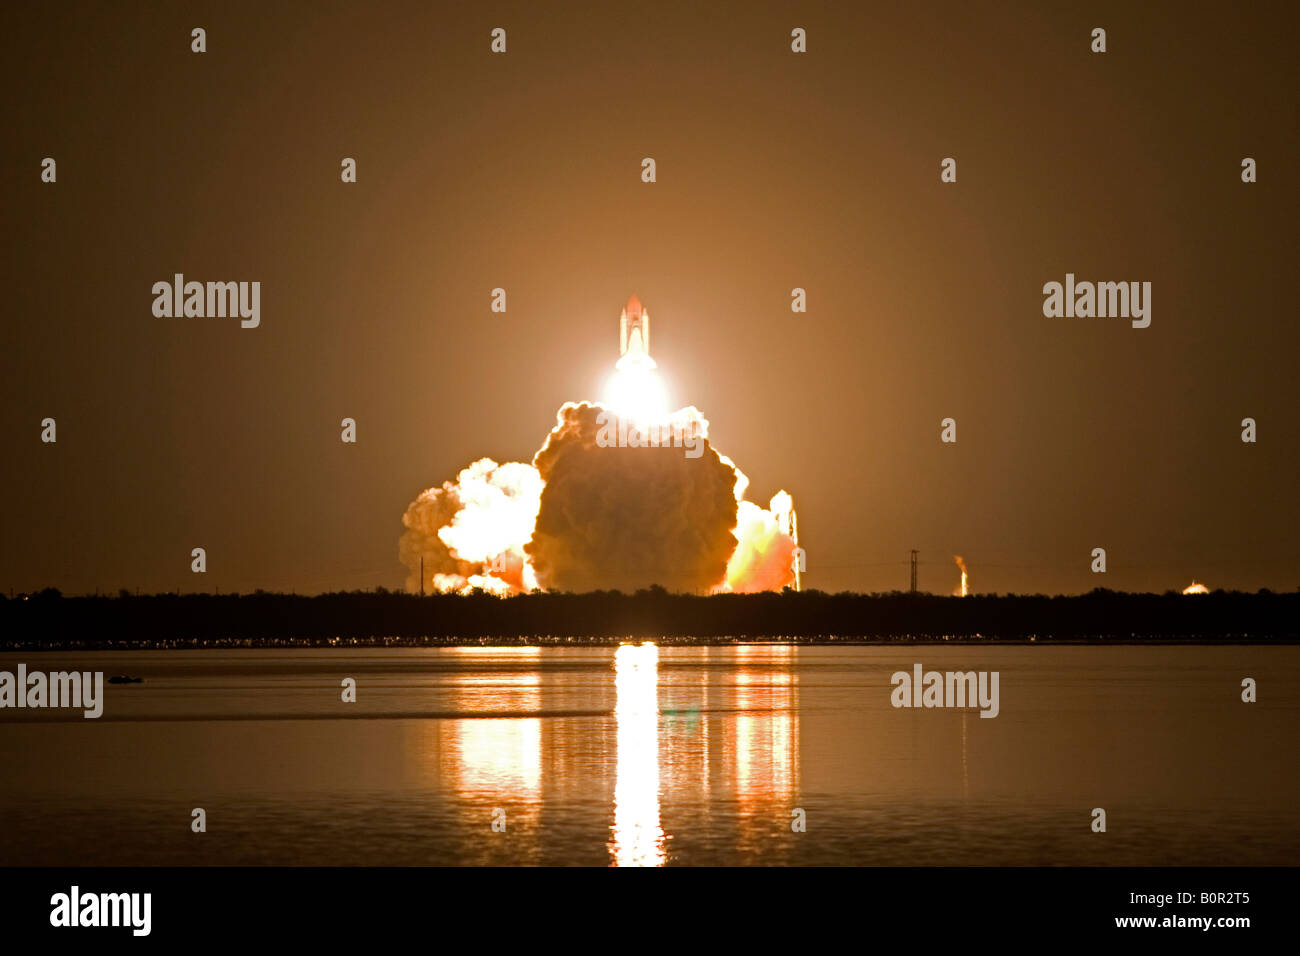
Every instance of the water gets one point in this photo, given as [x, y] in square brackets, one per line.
[681, 756]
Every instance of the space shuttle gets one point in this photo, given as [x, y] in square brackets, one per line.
[634, 336]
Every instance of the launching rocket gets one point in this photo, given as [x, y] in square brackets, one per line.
[634, 336]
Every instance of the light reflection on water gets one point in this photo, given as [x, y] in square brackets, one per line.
[645, 756]
[638, 839]
[484, 757]
[767, 727]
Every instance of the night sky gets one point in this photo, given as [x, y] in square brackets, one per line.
[775, 170]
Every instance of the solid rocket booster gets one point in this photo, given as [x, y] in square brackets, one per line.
[634, 330]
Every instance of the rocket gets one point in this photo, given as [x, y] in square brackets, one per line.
[634, 336]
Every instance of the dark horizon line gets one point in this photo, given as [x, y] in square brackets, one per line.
[123, 593]
[394, 617]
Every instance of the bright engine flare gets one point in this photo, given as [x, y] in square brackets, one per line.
[635, 390]
[583, 516]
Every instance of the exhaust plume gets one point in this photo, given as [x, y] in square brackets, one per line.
[625, 518]
[591, 513]
[961, 591]
[471, 532]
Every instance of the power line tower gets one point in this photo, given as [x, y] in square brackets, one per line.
[914, 570]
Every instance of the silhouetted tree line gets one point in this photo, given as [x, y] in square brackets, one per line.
[47, 619]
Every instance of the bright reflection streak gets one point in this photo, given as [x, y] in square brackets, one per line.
[766, 742]
[638, 839]
[495, 756]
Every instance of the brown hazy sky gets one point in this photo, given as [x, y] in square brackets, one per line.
[775, 170]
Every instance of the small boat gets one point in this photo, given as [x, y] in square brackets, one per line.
[124, 679]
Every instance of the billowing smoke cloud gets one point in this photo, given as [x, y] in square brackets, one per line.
[584, 517]
[625, 518]
[656, 505]
[764, 547]
[470, 533]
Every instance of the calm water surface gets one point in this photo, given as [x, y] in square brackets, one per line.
[658, 756]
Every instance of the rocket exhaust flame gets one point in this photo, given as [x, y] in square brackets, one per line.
[635, 391]
[962, 590]
[585, 516]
